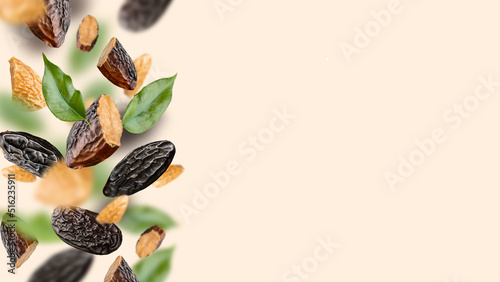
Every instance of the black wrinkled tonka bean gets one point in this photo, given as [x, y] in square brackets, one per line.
[29, 152]
[139, 169]
[79, 228]
[66, 266]
[137, 15]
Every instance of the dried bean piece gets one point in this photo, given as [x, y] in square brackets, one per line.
[120, 272]
[29, 152]
[139, 169]
[117, 66]
[21, 11]
[170, 175]
[79, 228]
[87, 34]
[114, 211]
[142, 65]
[63, 186]
[18, 242]
[149, 241]
[21, 174]
[26, 86]
[66, 266]
[52, 28]
[90, 145]
[137, 15]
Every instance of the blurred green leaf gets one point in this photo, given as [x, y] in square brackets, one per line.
[156, 267]
[101, 174]
[18, 118]
[40, 224]
[97, 88]
[139, 218]
[79, 61]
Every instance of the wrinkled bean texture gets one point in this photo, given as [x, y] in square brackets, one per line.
[140, 168]
[66, 266]
[29, 152]
[79, 228]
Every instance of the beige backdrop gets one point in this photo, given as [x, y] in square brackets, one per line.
[368, 92]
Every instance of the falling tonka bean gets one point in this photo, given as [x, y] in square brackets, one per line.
[53, 26]
[66, 266]
[120, 271]
[149, 241]
[90, 145]
[87, 34]
[79, 228]
[139, 169]
[17, 240]
[29, 152]
[117, 66]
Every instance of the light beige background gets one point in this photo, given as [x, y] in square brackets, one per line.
[324, 174]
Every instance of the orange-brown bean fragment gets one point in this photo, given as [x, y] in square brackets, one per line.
[87, 35]
[114, 211]
[21, 175]
[149, 241]
[63, 186]
[26, 86]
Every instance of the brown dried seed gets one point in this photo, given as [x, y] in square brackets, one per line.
[114, 211]
[90, 145]
[142, 65]
[87, 34]
[63, 186]
[171, 174]
[26, 86]
[120, 272]
[149, 241]
[117, 66]
[21, 11]
[52, 27]
[21, 174]
[18, 242]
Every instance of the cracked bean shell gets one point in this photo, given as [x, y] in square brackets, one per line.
[87, 34]
[90, 145]
[53, 26]
[117, 66]
[120, 271]
[79, 228]
[17, 240]
[66, 266]
[139, 169]
[29, 152]
[149, 241]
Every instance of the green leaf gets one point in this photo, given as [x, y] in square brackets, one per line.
[139, 218]
[148, 105]
[156, 267]
[40, 225]
[16, 117]
[63, 100]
